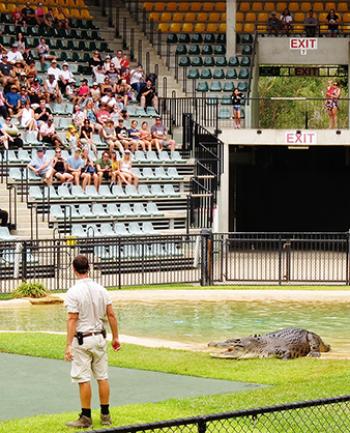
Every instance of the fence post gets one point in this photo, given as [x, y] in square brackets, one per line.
[187, 131]
[24, 260]
[207, 257]
[202, 426]
[348, 259]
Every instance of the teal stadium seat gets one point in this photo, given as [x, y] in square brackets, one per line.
[193, 74]
[206, 74]
[231, 74]
[193, 50]
[196, 61]
[207, 50]
[219, 74]
[202, 86]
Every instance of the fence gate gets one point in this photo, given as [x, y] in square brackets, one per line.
[284, 258]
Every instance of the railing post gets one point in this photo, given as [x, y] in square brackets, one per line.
[117, 20]
[187, 131]
[207, 257]
[202, 426]
[24, 260]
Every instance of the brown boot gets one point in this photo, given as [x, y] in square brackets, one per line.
[82, 422]
[106, 419]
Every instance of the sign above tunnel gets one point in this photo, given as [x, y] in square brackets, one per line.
[300, 138]
[303, 44]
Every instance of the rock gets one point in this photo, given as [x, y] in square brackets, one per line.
[46, 300]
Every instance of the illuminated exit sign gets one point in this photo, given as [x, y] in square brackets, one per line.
[303, 44]
[303, 138]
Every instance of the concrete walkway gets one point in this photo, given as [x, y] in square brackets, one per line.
[33, 386]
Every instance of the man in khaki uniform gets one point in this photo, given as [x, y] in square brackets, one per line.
[89, 305]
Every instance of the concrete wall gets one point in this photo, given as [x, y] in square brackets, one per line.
[278, 137]
[330, 51]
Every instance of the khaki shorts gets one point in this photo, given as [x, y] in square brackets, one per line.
[91, 357]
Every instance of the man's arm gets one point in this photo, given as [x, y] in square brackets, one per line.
[113, 323]
[71, 330]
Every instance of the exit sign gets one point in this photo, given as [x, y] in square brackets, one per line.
[300, 137]
[303, 44]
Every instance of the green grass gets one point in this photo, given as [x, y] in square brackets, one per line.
[300, 379]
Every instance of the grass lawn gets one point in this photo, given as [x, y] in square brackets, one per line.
[295, 380]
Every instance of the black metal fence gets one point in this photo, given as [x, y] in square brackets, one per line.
[321, 416]
[204, 258]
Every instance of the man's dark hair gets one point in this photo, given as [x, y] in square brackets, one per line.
[81, 265]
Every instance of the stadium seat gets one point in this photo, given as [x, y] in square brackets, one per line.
[193, 74]
[98, 210]
[152, 209]
[139, 209]
[112, 210]
[125, 210]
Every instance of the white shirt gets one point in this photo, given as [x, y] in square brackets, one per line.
[14, 57]
[116, 62]
[90, 300]
[54, 71]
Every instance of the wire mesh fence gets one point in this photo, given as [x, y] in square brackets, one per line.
[318, 416]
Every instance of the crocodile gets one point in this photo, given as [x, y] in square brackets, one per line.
[287, 343]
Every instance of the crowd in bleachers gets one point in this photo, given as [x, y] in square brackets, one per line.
[36, 85]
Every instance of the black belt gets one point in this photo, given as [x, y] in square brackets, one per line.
[90, 334]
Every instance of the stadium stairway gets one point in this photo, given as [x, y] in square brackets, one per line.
[114, 43]
[24, 218]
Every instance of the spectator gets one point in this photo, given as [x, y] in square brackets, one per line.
[66, 77]
[28, 14]
[54, 70]
[78, 117]
[135, 135]
[107, 63]
[21, 42]
[146, 135]
[50, 18]
[83, 91]
[52, 91]
[95, 92]
[12, 133]
[332, 103]
[89, 111]
[109, 100]
[236, 99]
[7, 74]
[12, 99]
[89, 173]
[333, 22]
[14, 55]
[106, 86]
[273, 24]
[123, 90]
[104, 167]
[124, 62]
[27, 117]
[75, 166]
[99, 74]
[286, 21]
[47, 133]
[40, 15]
[148, 96]
[29, 58]
[95, 60]
[86, 136]
[113, 74]
[42, 113]
[60, 168]
[72, 137]
[30, 71]
[17, 17]
[3, 106]
[3, 218]
[44, 52]
[126, 174]
[40, 166]
[115, 172]
[117, 59]
[310, 25]
[35, 92]
[102, 114]
[159, 134]
[123, 136]
[108, 134]
[137, 78]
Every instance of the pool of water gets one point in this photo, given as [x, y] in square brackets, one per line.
[201, 322]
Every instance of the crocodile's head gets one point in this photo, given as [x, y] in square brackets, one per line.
[242, 348]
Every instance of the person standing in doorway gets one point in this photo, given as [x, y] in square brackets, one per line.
[332, 103]
[89, 306]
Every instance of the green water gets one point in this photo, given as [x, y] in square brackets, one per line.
[201, 322]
